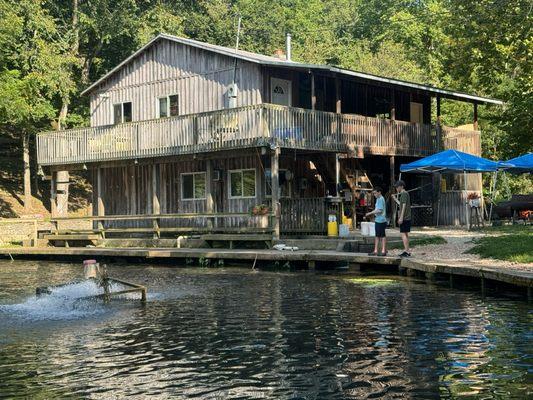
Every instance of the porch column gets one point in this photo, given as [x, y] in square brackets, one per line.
[392, 105]
[392, 164]
[438, 126]
[475, 117]
[100, 208]
[209, 201]
[337, 174]
[338, 99]
[313, 92]
[156, 207]
[274, 170]
[62, 184]
[53, 195]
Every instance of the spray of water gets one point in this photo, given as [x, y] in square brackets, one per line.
[64, 303]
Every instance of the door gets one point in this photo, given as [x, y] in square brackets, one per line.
[417, 112]
[280, 91]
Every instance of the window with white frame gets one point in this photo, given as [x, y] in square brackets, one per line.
[122, 112]
[193, 186]
[168, 106]
[242, 183]
[284, 183]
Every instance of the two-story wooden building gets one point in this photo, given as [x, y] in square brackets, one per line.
[195, 136]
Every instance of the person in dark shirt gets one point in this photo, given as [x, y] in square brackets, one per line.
[404, 216]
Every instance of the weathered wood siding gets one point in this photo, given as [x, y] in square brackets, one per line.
[128, 189]
[199, 77]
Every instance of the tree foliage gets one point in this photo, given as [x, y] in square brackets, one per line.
[50, 50]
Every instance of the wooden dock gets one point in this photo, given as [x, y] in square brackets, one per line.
[430, 269]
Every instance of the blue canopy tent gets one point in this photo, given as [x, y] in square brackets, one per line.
[452, 161]
[520, 164]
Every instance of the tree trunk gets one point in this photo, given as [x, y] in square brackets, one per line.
[27, 174]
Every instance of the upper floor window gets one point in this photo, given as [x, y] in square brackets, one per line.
[193, 186]
[122, 112]
[169, 106]
[242, 183]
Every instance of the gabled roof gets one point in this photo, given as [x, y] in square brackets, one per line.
[277, 62]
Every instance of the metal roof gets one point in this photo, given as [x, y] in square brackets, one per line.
[277, 62]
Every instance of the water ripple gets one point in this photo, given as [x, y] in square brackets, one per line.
[219, 334]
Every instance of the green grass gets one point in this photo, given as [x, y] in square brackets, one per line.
[515, 243]
[420, 242]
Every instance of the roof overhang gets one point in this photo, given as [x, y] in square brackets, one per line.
[274, 62]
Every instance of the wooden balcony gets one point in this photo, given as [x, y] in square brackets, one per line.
[251, 126]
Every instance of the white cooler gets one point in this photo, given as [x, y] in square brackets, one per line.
[368, 229]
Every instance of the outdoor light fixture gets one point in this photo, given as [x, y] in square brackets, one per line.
[84, 167]
[40, 171]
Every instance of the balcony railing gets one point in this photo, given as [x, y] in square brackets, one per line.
[258, 125]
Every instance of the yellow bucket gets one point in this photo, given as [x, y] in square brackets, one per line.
[333, 229]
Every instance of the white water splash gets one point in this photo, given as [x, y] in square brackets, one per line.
[64, 303]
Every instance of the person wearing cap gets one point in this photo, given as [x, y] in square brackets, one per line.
[404, 216]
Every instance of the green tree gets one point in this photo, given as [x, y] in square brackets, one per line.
[34, 73]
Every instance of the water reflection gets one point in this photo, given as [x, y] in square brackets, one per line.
[237, 334]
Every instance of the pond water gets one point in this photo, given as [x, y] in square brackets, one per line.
[234, 333]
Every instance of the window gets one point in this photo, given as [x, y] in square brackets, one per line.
[242, 183]
[193, 186]
[122, 112]
[284, 183]
[169, 106]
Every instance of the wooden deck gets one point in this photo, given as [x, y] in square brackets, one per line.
[250, 126]
[516, 277]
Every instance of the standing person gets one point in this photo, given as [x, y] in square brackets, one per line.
[404, 216]
[380, 212]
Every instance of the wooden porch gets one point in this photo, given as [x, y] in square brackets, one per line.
[244, 127]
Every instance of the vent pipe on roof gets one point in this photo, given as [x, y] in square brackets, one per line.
[288, 50]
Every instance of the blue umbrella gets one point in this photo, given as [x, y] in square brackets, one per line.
[520, 164]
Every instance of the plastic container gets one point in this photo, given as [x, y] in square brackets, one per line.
[368, 229]
[344, 230]
[333, 228]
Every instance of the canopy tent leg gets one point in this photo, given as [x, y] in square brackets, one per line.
[466, 204]
[493, 195]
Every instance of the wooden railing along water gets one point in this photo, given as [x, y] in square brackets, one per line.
[250, 126]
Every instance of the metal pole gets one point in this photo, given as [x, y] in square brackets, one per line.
[492, 195]
[466, 204]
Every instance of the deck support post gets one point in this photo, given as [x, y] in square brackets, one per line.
[100, 208]
[209, 201]
[274, 168]
[53, 199]
[394, 209]
[313, 92]
[156, 207]
[338, 95]
[529, 293]
[483, 287]
[337, 174]
[311, 265]
[475, 117]
[438, 127]
[62, 183]
[451, 281]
